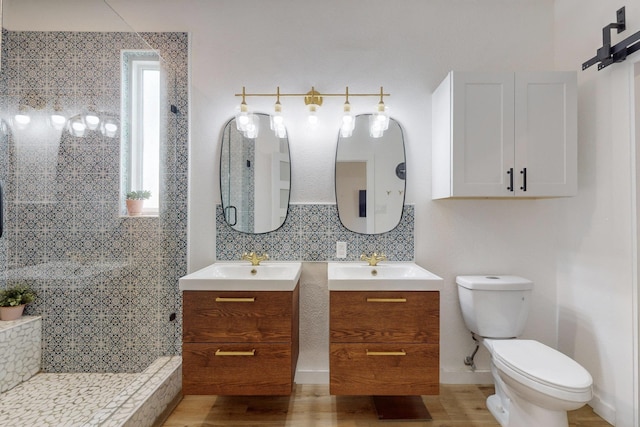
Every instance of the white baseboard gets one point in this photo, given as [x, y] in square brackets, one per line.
[312, 377]
[603, 409]
[466, 376]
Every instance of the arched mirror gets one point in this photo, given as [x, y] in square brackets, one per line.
[370, 178]
[255, 177]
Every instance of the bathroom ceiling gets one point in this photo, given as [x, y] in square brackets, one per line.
[60, 15]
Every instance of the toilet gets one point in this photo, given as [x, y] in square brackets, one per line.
[535, 384]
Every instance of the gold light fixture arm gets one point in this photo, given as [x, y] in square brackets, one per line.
[313, 94]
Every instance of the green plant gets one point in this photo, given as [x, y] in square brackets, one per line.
[16, 295]
[138, 195]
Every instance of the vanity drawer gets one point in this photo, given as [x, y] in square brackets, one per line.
[217, 316]
[237, 369]
[384, 369]
[384, 316]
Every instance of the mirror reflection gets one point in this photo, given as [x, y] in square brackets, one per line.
[370, 178]
[255, 177]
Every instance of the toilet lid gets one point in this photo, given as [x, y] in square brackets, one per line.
[542, 364]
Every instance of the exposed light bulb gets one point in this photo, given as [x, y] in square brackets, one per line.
[109, 127]
[242, 117]
[312, 118]
[21, 120]
[348, 122]
[76, 126]
[253, 126]
[92, 121]
[57, 121]
[281, 132]
[379, 121]
[277, 122]
[276, 118]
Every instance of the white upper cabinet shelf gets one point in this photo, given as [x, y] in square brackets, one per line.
[505, 135]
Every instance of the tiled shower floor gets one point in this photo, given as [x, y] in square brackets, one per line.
[60, 400]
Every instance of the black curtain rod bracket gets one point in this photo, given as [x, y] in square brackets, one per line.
[607, 54]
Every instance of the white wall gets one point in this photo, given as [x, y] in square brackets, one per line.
[595, 246]
[407, 47]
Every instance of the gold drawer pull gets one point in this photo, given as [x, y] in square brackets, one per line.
[223, 299]
[386, 300]
[386, 353]
[236, 353]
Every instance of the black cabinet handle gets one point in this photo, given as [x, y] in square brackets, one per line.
[510, 173]
[524, 179]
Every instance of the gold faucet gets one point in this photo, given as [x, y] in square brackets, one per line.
[374, 259]
[254, 258]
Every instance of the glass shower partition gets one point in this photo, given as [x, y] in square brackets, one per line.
[106, 283]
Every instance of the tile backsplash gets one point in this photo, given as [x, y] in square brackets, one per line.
[310, 233]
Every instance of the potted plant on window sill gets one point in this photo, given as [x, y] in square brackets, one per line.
[13, 300]
[135, 201]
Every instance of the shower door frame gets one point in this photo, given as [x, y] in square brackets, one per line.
[634, 140]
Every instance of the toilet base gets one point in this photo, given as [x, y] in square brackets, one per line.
[495, 407]
[512, 410]
[523, 413]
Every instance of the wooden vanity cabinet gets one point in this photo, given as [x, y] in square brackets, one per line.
[384, 343]
[240, 343]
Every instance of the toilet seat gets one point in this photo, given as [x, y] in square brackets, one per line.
[542, 368]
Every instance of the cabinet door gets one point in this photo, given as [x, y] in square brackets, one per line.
[482, 134]
[545, 134]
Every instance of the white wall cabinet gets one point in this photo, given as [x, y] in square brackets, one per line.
[505, 135]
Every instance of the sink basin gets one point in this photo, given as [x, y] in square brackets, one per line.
[387, 276]
[242, 276]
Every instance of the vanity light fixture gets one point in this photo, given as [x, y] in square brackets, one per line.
[313, 100]
[79, 124]
[348, 121]
[57, 120]
[379, 121]
[76, 126]
[29, 104]
[21, 120]
[92, 120]
[276, 119]
[246, 122]
[109, 127]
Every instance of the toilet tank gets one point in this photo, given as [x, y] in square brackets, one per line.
[494, 306]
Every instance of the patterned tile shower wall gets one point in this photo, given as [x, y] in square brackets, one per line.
[107, 283]
[310, 233]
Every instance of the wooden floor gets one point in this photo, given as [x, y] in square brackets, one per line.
[312, 406]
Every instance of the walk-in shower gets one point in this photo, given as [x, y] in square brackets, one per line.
[106, 283]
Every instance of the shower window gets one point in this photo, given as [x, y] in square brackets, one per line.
[141, 131]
